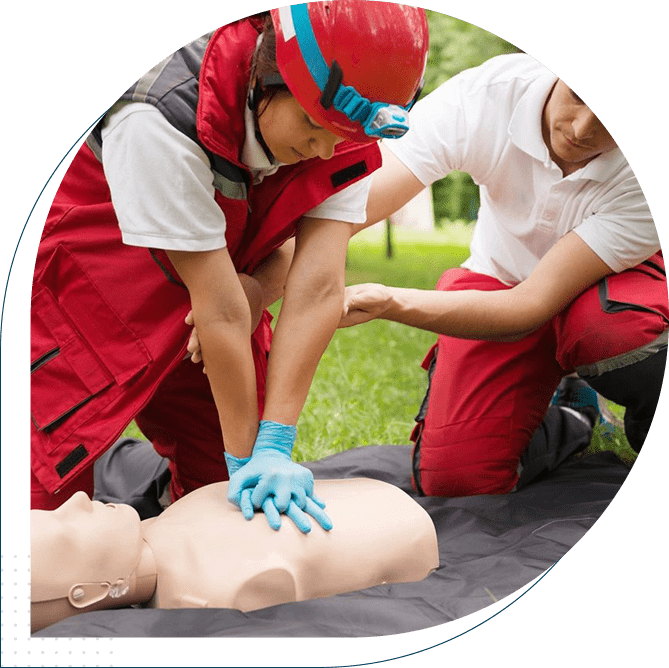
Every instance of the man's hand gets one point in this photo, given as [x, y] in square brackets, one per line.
[364, 302]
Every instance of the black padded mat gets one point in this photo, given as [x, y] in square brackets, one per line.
[489, 547]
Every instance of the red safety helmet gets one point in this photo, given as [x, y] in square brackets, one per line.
[355, 66]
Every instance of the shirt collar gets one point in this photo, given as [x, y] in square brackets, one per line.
[525, 124]
[603, 167]
[525, 133]
[253, 153]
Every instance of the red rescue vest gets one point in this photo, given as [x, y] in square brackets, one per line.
[107, 318]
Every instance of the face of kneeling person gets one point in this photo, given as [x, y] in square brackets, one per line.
[205, 554]
[573, 134]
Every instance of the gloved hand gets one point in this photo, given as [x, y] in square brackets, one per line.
[271, 481]
[234, 463]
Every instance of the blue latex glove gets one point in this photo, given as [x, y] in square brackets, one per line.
[234, 463]
[271, 481]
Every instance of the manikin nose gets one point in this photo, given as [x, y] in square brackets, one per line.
[80, 501]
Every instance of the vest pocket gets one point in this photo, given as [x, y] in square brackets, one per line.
[65, 374]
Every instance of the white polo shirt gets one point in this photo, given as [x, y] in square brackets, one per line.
[487, 121]
[162, 184]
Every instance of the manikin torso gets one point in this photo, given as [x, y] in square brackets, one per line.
[201, 552]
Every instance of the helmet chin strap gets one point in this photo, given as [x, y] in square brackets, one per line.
[252, 104]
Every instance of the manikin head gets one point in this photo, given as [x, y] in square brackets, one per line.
[573, 134]
[83, 554]
[329, 71]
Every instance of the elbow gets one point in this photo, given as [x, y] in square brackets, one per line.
[512, 338]
[255, 297]
[234, 318]
[529, 315]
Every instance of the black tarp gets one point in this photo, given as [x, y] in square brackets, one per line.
[489, 547]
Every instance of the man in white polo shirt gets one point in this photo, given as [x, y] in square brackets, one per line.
[565, 274]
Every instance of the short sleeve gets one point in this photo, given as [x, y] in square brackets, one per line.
[464, 123]
[622, 232]
[348, 205]
[161, 183]
[436, 140]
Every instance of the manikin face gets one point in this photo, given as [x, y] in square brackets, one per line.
[291, 134]
[82, 541]
[573, 134]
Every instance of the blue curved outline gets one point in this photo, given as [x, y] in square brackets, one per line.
[439, 644]
[23, 229]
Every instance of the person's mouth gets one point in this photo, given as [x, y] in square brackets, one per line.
[300, 156]
[571, 142]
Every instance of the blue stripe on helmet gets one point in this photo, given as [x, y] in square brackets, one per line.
[378, 119]
[311, 53]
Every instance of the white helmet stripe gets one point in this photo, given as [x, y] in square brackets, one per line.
[287, 27]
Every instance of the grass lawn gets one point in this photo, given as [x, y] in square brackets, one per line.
[369, 384]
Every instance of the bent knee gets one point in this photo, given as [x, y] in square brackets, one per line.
[452, 484]
[484, 464]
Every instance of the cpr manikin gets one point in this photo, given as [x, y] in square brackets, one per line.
[201, 552]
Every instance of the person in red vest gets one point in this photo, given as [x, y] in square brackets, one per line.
[565, 276]
[182, 198]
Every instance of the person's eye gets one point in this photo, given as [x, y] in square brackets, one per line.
[311, 123]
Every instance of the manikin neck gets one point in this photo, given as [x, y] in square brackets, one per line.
[89, 596]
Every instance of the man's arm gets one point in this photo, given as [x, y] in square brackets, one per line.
[222, 316]
[393, 185]
[569, 268]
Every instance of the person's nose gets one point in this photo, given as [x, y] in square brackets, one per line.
[584, 125]
[323, 146]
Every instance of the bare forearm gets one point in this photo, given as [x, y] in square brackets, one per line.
[470, 314]
[563, 273]
[222, 317]
[303, 331]
[228, 358]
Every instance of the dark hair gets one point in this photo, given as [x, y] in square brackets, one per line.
[265, 71]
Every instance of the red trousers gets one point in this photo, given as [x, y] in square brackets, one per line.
[182, 423]
[486, 398]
